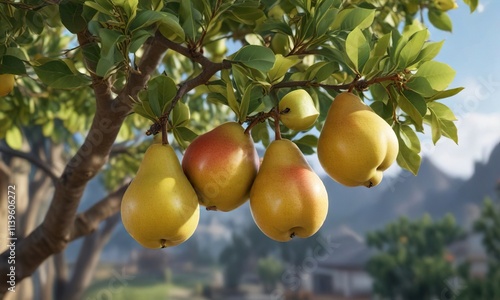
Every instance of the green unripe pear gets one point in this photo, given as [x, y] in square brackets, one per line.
[297, 110]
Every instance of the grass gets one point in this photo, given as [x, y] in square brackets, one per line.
[181, 286]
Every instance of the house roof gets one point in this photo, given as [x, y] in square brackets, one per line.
[351, 253]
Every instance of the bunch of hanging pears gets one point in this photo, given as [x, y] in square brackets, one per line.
[221, 170]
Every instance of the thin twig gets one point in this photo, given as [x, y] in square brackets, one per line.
[46, 168]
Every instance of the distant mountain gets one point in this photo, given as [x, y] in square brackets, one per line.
[432, 191]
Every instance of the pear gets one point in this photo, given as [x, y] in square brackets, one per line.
[160, 207]
[7, 82]
[297, 110]
[221, 165]
[356, 145]
[287, 198]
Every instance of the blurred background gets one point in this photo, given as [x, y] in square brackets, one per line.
[440, 228]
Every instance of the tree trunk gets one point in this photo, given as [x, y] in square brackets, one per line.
[88, 258]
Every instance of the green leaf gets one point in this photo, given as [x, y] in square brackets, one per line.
[260, 133]
[412, 49]
[12, 65]
[380, 48]
[435, 128]
[321, 71]
[472, 4]
[246, 13]
[180, 114]
[414, 105]
[441, 121]
[245, 103]
[442, 111]
[14, 138]
[357, 49]
[170, 28]
[107, 9]
[230, 95]
[161, 90]
[348, 19]
[71, 15]
[421, 86]
[446, 94]
[449, 130]
[58, 74]
[440, 20]
[109, 42]
[274, 26]
[429, 51]
[281, 66]
[409, 147]
[439, 75]
[139, 37]
[307, 140]
[257, 57]
[324, 21]
[184, 136]
[140, 110]
[190, 19]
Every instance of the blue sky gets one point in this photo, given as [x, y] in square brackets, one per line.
[473, 50]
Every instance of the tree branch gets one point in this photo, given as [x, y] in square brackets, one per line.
[88, 221]
[32, 159]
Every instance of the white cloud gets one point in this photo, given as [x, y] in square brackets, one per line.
[478, 134]
[481, 7]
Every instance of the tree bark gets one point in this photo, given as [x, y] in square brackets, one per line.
[55, 232]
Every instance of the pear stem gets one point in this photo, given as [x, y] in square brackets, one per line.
[164, 137]
[277, 130]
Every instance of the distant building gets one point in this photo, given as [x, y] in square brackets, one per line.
[343, 274]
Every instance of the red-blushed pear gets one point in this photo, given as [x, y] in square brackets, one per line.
[287, 198]
[356, 145]
[297, 110]
[221, 165]
[7, 82]
[160, 207]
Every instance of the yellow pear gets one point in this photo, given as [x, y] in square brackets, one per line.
[7, 82]
[297, 110]
[160, 207]
[221, 165]
[356, 145]
[287, 198]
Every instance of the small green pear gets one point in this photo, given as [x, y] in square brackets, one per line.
[356, 145]
[160, 207]
[297, 110]
[287, 198]
[222, 164]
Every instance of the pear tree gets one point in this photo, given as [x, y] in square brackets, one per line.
[95, 79]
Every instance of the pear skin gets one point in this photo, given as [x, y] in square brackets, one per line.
[160, 207]
[221, 165]
[298, 111]
[356, 145]
[287, 198]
